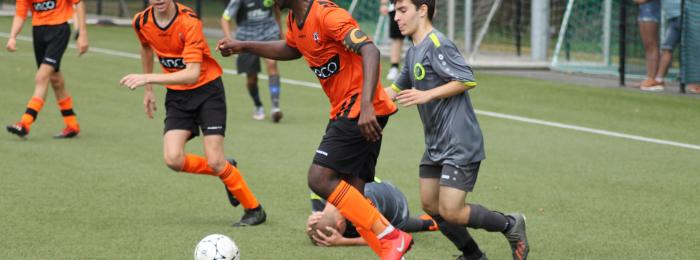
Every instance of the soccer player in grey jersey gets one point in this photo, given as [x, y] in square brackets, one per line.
[436, 78]
[326, 227]
[256, 20]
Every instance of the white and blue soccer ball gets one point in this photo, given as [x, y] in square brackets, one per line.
[217, 247]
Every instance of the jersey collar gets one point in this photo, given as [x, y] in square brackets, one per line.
[177, 12]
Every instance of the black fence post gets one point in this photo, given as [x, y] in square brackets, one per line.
[623, 41]
[145, 4]
[198, 7]
[682, 45]
[518, 26]
[99, 7]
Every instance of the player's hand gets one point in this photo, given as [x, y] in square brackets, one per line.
[334, 239]
[133, 81]
[149, 103]
[312, 220]
[411, 97]
[228, 47]
[12, 45]
[369, 126]
[82, 44]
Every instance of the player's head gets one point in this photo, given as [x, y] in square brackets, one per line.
[411, 13]
[332, 218]
[161, 5]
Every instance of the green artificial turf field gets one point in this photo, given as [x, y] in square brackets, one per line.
[108, 195]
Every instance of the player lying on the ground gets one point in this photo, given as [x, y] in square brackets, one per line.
[436, 78]
[195, 99]
[51, 34]
[346, 63]
[327, 227]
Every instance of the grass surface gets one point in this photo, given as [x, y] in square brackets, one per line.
[107, 194]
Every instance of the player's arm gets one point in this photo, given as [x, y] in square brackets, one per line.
[17, 22]
[402, 82]
[186, 76]
[336, 239]
[228, 15]
[276, 50]
[411, 97]
[82, 42]
[149, 100]
[370, 75]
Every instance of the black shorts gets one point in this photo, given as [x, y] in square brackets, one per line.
[50, 42]
[345, 150]
[248, 63]
[201, 108]
[458, 177]
[394, 31]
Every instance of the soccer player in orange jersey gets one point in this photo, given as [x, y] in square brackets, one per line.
[346, 63]
[195, 98]
[51, 34]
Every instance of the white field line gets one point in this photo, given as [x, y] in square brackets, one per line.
[480, 112]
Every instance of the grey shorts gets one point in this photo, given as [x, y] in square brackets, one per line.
[650, 11]
[247, 63]
[673, 34]
[458, 177]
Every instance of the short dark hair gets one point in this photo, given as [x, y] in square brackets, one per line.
[429, 3]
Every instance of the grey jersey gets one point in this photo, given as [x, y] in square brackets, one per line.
[452, 132]
[390, 202]
[255, 19]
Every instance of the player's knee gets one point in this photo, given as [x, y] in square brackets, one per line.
[450, 214]
[57, 81]
[216, 164]
[430, 208]
[319, 183]
[174, 161]
[41, 78]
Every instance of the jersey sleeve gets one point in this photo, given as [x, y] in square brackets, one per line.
[21, 8]
[403, 81]
[137, 28]
[339, 26]
[75, 2]
[449, 64]
[195, 42]
[289, 37]
[231, 10]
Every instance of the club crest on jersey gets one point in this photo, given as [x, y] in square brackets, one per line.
[316, 37]
[329, 69]
[44, 6]
[268, 3]
[172, 63]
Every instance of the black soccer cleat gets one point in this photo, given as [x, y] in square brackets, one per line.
[67, 133]
[18, 129]
[276, 115]
[252, 217]
[517, 237]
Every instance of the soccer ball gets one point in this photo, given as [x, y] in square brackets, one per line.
[216, 247]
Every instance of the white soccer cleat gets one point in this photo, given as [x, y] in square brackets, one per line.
[393, 73]
[259, 113]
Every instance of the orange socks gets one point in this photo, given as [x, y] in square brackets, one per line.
[196, 164]
[66, 106]
[235, 183]
[355, 207]
[33, 108]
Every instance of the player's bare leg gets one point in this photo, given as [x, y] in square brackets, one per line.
[275, 89]
[36, 103]
[454, 209]
[65, 103]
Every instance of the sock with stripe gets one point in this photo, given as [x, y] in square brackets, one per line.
[355, 207]
[197, 164]
[483, 218]
[235, 183]
[274, 85]
[33, 108]
[66, 106]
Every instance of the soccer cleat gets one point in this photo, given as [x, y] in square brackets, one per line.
[232, 199]
[393, 73]
[252, 217]
[395, 245]
[432, 227]
[483, 257]
[18, 129]
[276, 115]
[259, 113]
[517, 237]
[67, 132]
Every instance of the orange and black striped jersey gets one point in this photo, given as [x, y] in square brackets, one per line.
[46, 12]
[324, 39]
[180, 42]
